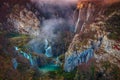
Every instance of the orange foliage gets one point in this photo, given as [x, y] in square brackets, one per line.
[79, 5]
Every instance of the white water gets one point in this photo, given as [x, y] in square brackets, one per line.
[88, 15]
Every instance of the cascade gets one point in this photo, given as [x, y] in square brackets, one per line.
[25, 55]
[15, 63]
[48, 49]
[46, 43]
[48, 52]
[78, 58]
[58, 62]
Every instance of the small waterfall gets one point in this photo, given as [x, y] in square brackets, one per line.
[16, 48]
[82, 26]
[25, 55]
[48, 52]
[89, 11]
[15, 63]
[46, 43]
[78, 20]
[48, 49]
[58, 62]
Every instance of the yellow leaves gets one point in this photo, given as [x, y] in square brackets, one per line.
[79, 5]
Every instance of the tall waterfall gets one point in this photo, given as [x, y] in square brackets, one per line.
[85, 12]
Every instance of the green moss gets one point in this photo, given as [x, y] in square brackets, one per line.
[12, 34]
[69, 75]
[61, 73]
[19, 41]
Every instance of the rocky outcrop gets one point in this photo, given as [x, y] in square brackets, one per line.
[104, 50]
[77, 58]
[23, 21]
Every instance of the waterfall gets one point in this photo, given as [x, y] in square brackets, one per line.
[78, 58]
[16, 48]
[83, 25]
[48, 49]
[15, 63]
[46, 43]
[58, 62]
[25, 55]
[48, 52]
[86, 13]
[78, 20]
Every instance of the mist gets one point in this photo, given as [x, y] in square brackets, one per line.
[60, 2]
[56, 19]
[52, 30]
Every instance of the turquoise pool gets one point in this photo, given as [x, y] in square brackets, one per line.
[49, 67]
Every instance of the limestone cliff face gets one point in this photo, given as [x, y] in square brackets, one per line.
[23, 20]
[107, 49]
